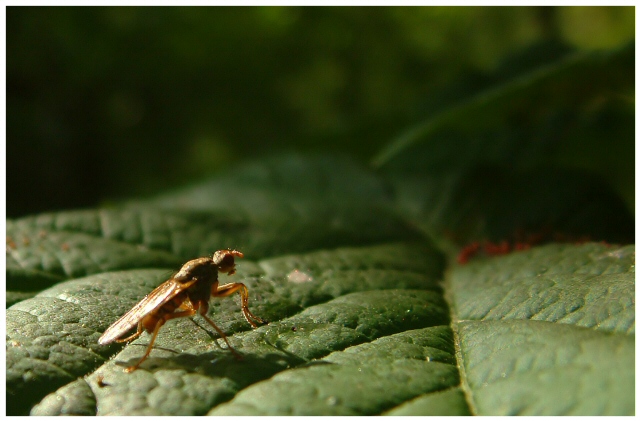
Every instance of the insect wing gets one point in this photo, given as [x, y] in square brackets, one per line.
[156, 298]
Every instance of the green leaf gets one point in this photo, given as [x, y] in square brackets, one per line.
[549, 331]
[589, 286]
[516, 359]
[540, 368]
[448, 402]
[332, 323]
[362, 380]
[366, 315]
[525, 103]
[497, 203]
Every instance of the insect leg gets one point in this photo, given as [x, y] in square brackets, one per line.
[228, 289]
[135, 335]
[156, 329]
[203, 307]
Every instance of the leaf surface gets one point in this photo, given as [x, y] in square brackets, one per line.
[366, 314]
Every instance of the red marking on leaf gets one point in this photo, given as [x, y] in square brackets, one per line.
[468, 252]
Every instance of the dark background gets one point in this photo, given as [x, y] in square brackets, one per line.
[109, 103]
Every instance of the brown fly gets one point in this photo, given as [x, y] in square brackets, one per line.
[186, 294]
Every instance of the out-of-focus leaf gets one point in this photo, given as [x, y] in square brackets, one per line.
[528, 101]
[497, 203]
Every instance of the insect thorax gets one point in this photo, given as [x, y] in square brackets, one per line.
[202, 269]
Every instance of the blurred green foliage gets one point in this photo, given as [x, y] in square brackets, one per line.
[105, 103]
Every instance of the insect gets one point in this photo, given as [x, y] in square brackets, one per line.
[185, 294]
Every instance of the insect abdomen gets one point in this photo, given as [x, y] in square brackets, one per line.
[150, 321]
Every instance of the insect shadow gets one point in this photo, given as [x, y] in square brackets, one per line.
[217, 361]
[251, 368]
[181, 359]
[214, 337]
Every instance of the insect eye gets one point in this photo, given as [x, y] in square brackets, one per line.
[226, 263]
[225, 260]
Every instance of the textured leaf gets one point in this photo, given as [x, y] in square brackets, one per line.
[364, 379]
[589, 286]
[332, 323]
[549, 331]
[539, 368]
[355, 296]
[449, 402]
[289, 199]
